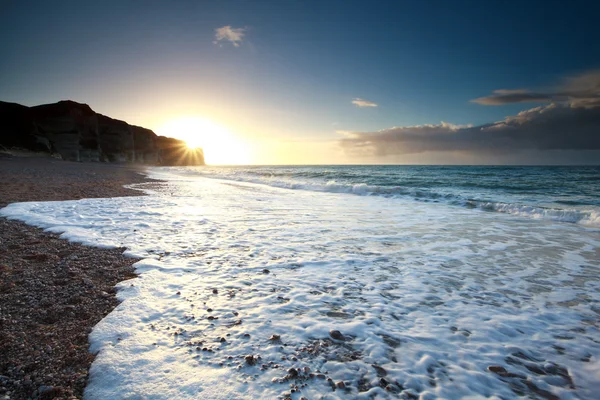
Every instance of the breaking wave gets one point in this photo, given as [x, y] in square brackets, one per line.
[464, 193]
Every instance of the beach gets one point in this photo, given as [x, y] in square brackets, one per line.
[318, 281]
[52, 292]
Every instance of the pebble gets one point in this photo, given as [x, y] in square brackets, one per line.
[379, 370]
[265, 271]
[337, 335]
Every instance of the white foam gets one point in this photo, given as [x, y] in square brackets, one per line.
[586, 216]
[434, 294]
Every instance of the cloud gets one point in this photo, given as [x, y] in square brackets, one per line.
[582, 90]
[363, 103]
[572, 126]
[233, 35]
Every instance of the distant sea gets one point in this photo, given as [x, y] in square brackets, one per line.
[442, 282]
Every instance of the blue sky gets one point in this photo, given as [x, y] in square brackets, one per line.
[299, 64]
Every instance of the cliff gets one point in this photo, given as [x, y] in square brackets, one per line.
[75, 132]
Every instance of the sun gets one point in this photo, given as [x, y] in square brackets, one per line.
[220, 146]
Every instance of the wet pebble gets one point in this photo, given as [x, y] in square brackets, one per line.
[379, 370]
[337, 335]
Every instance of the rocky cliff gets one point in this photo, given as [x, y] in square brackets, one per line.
[75, 132]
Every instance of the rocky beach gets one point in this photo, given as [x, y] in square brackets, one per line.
[272, 282]
[52, 292]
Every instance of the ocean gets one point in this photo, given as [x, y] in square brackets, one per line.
[347, 282]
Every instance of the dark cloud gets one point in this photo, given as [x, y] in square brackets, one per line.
[582, 89]
[571, 122]
[573, 126]
[500, 97]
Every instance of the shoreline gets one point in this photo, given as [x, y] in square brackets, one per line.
[53, 292]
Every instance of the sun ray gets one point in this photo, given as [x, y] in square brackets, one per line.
[219, 145]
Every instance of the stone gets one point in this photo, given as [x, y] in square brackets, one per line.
[74, 132]
[379, 370]
[337, 335]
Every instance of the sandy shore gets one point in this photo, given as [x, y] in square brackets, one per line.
[53, 292]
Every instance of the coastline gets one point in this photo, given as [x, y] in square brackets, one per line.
[53, 292]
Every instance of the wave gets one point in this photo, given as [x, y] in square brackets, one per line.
[292, 181]
[582, 217]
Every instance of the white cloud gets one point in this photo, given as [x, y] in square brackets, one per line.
[233, 35]
[363, 103]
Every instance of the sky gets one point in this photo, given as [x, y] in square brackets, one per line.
[323, 82]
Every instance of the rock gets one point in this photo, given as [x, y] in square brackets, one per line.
[275, 337]
[265, 271]
[392, 388]
[497, 369]
[337, 335]
[340, 385]
[43, 389]
[215, 291]
[250, 360]
[76, 133]
[292, 372]
[501, 371]
[380, 371]
[115, 139]
[88, 282]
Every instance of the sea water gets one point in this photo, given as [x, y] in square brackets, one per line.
[444, 282]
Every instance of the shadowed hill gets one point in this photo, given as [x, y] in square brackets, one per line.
[75, 132]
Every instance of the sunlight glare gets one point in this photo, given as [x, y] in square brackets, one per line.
[219, 145]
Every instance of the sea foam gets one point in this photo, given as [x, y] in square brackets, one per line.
[487, 192]
[433, 301]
